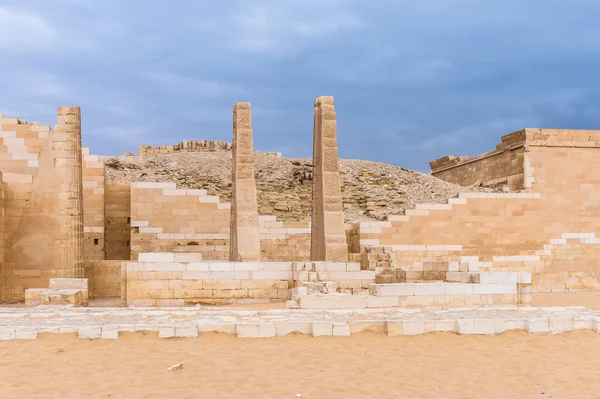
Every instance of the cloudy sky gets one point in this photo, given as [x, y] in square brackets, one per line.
[413, 80]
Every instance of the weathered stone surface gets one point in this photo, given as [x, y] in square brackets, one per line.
[328, 238]
[244, 227]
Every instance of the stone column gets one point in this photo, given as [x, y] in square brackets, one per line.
[328, 238]
[244, 244]
[66, 145]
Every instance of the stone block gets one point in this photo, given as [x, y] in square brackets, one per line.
[109, 331]
[9, 332]
[156, 257]
[69, 283]
[322, 328]
[401, 289]
[430, 288]
[538, 325]
[255, 330]
[32, 296]
[223, 328]
[413, 327]
[394, 328]
[341, 329]
[382, 301]
[26, 332]
[186, 330]
[166, 332]
[366, 326]
[559, 325]
[285, 328]
[89, 332]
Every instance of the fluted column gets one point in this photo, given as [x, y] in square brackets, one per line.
[66, 144]
[328, 238]
[244, 244]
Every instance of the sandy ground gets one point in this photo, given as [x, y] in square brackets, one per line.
[439, 365]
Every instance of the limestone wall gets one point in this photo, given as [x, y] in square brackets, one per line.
[117, 212]
[41, 201]
[177, 279]
[104, 278]
[93, 206]
[505, 163]
[284, 240]
[166, 219]
[561, 180]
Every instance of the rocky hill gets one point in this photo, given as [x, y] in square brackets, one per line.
[370, 190]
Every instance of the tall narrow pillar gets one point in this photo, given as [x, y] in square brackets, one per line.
[328, 238]
[66, 145]
[244, 244]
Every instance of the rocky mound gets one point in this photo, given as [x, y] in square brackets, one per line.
[370, 190]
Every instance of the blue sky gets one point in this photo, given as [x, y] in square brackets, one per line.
[413, 80]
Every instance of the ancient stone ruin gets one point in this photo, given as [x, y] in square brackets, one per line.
[71, 235]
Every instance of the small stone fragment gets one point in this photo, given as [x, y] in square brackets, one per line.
[174, 367]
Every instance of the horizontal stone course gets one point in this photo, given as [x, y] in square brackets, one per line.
[99, 323]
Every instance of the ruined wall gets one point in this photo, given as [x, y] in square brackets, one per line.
[166, 219]
[93, 206]
[43, 227]
[505, 163]
[284, 240]
[185, 146]
[117, 212]
[104, 278]
[561, 171]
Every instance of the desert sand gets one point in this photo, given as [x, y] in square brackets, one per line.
[439, 365]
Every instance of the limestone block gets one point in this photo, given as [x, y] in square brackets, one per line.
[382, 301]
[7, 333]
[109, 331]
[285, 328]
[69, 283]
[488, 289]
[186, 330]
[447, 325]
[170, 302]
[341, 329]
[413, 327]
[430, 288]
[223, 328]
[344, 301]
[495, 278]
[459, 289]
[475, 326]
[246, 266]
[166, 332]
[402, 289]
[559, 325]
[26, 332]
[255, 330]
[322, 328]
[515, 324]
[538, 325]
[156, 257]
[188, 257]
[394, 328]
[32, 296]
[89, 332]
[366, 326]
